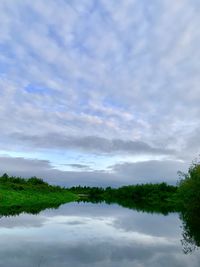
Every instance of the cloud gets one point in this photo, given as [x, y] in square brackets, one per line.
[150, 171]
[93, 144]
[117, 175]
[103, 77]
[78, 166]
[44, 169]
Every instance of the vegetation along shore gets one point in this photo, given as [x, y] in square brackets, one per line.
[32, 195]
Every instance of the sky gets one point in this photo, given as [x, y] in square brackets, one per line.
[99, 92]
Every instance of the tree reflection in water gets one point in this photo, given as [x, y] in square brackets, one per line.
[191, 230]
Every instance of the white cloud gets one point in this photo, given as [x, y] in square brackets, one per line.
[115, 70]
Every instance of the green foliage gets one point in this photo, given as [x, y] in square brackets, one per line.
[4, 177]
[189, 188]
[33, 183]
[148, 197]
[188, 197]
[36, 181]
[26, 195]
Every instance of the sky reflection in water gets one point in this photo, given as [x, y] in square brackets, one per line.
[93, 235]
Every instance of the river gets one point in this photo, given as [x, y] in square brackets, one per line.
[97, 235]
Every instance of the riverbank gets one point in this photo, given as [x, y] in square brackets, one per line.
[32, 195]
[17, 194]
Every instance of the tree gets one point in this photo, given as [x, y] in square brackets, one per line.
[189, 187]
[189, 198]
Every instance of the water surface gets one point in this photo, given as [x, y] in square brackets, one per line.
[84, 234]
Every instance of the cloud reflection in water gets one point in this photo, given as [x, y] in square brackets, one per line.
[92, 235]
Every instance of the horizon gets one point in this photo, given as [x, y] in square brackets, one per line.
[99, 93]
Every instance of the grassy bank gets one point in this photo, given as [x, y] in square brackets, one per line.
[30, 195]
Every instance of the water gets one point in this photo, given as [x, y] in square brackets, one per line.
[96, 235]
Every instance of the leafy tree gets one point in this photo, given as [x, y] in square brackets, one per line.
[189, 200]
[189, 187]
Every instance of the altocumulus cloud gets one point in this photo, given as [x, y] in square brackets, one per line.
[100, 77]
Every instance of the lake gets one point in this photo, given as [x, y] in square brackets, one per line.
[98, 235]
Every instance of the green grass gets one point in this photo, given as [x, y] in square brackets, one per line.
[10, 197]
[19, 195]
[13, 203]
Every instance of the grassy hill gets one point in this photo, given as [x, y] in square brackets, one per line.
[18, 194]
